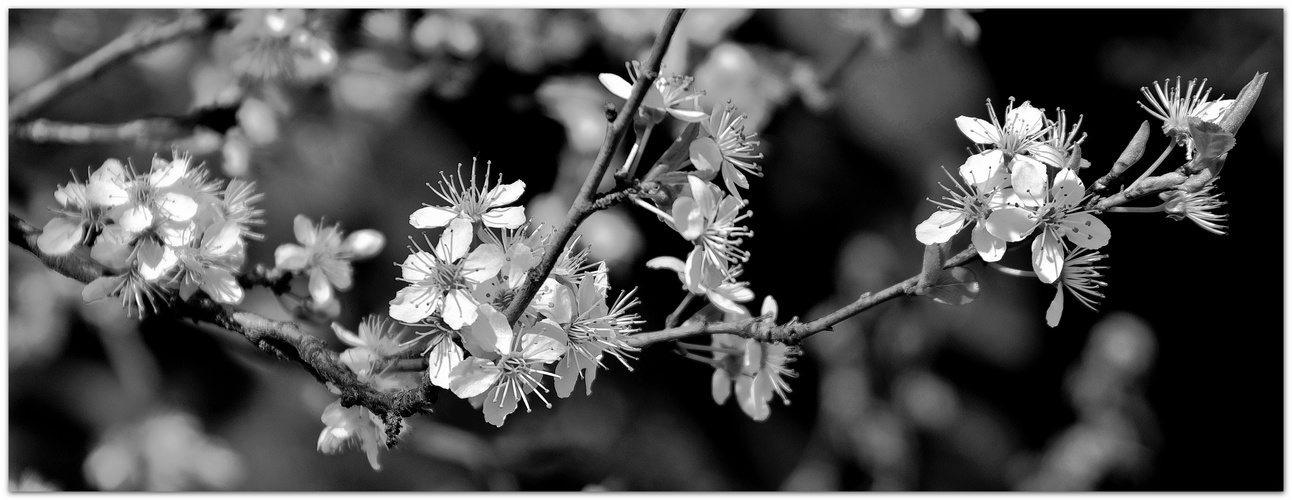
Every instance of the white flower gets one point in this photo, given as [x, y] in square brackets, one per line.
[1056, 210]
[701, 277]
[1198, 207]
[727, 148]
[441, 281]
[1080, 278]
[472, 203]
[1022, 133]
[984, 176]
[1065, 140]
[78, 214]
[354, 426]
[756, 368]
[706, 217]
[1176, 108]
[324, 256]
[505, 368]
[592, 329]
[666, 95]
[211, 265]
[375, 335]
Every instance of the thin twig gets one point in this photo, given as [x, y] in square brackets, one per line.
[584, 204]
[125, 46]
[145, 131]
[285, 340]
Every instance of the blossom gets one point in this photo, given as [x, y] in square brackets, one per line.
[727, 148]
[324, 256]
[1066, 140]
[757, 369]
[472, 203]
[349, 427]
[136, 203]
[441, 281]
[592, 329]
[1022, 133]
[1178, 109]
[375, 335]
[504, 368]
[701, 277]
[1081, 279]
[1056, 210]
[1198, 207]
[211, 265]
[667, 95]
[77, 215]
[984, 177]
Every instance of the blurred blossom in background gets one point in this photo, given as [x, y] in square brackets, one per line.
[346, 114]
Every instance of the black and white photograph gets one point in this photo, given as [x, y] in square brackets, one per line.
[637, 248]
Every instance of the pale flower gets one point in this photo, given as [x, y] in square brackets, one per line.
[1080, 278]
[592, 329]
[212, 265]
[1176, 109]
[757, 369]
[666, 95]
[984, 176]
[483, 204]
[1199, 207]
[726, 147]
[1022, 133]
[441, 281]
[352, 427]
[505, 368]
[701, 277]
[1057, 210]
[324, 256]
[77, 214]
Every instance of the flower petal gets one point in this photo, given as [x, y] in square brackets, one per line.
[1024, 120]
[687, 115]
[412, 304]
[504, 194]
[136, 219]
[222, 286]
[483, 263]
[687, 218]
[509, 217]
[107, 185]
[1029, 180]
[978, 130]
[101, 288]
[1068, 189]
[985, 170]
[1011, 223]
[490, 330]
[111, 253]
[666, 262]
[721, 386]
[940, 227]
[752, 401]
[567, 375]
[442, 359]
[1047, 256]
[431, 217]
[1055, 311]
[459, 309]
[60, 236]
[454, 241]
[155, 260]
[473, 376]
[546, 344]
[705, 154]
[304, 229]
[364, 244]
[989, 247]
[616, 84]
[320, 288]
[1085, 230]
[499, 403]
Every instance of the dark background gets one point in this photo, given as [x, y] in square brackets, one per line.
[911, 395]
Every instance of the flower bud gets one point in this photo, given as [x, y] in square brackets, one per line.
[364, 244]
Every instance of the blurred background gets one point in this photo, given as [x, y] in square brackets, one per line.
[1176, 384]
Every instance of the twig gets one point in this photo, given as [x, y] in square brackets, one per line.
[125, 46]
[584, 204]
[144, 131]
[283, 339]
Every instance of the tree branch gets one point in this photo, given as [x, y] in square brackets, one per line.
[584, 203]
[284, 340]
[125, 46]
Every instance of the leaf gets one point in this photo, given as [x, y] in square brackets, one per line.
[957, 286]
[677, 155]
[1209, 139]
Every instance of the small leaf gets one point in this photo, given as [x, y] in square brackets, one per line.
[677, 155]
[957, 286]
[1209, 139]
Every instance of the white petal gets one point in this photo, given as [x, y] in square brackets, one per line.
[721, 386]
[107, 185]
[616, 85]
[347, 336]
[364, 243]
[155, 260]
[1085, 230]
[304, 229]
[1011, 223]
[666, 262]
[989, 247]
[166, 173]
[412, 304]
[320, 288]
[770, 308]
[483, 263]
[136, 219]
[101, 288]
[687, 218]
[459, 309]
[499, 403]
[1029, 180]
[417, 266]
[1068, 189]
[977, 130]
[490, 330]
[1055, 311]
[291, 257]
[545, 344]
[430, 217]
[985, 170]
[1024, 120]
[60, 236]
[752, 401]
[222, 238]
[1212, 111]
[567, 375]
[509, 217]
[180, 234]
[687, 115]
[454, 241]
[505, 194]
[706, 200]
[111, 253]
[443, 358]
[473, 376]
[73, 193]
[940, 227]
[222, 286]
[705, 154]
[1047, 256]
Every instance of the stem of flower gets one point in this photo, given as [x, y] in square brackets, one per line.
[642, 129]
[1140, 210]
[1019, 273]
[1150, 170]
[676, 317]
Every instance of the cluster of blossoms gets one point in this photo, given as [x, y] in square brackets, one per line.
[172, 229]
[1024, 183]
[370, 357]
[457, 293]
[713, 222]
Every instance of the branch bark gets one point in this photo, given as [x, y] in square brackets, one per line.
[585, 202]
[285, 340]
[125, 46]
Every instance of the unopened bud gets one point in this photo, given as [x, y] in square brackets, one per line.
[364, 244]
